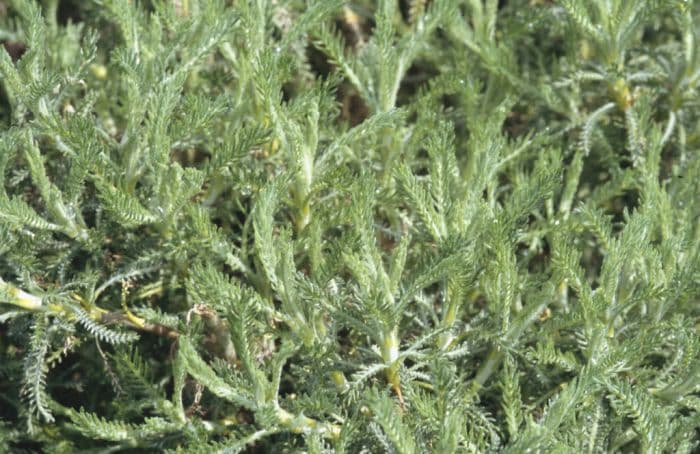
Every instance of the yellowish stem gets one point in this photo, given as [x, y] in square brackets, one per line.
[303, 424]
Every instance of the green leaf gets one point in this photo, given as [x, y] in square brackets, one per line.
[196, 367]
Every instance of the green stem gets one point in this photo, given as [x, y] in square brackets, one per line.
[453, 300]
[390, 355]
[488, 368]
[388, 156]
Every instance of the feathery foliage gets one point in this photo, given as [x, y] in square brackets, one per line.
[324, 226]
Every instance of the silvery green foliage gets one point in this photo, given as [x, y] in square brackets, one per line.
[324, 226]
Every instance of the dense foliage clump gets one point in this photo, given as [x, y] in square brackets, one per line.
[397, 226]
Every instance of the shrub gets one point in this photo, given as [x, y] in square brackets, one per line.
[414, 226]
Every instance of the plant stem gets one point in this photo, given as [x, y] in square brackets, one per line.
[390, 355]
[488, 368]
[20, 298]
[33, 303]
